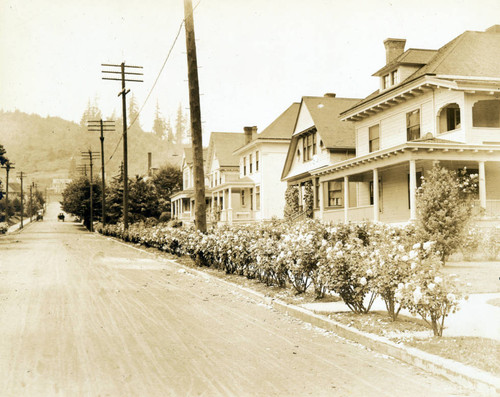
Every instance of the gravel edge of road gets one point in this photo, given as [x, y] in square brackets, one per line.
[461, 374]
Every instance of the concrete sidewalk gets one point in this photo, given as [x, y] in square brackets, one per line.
[475, 317]
[16, 226]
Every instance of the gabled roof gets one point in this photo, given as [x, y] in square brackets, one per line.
[282, 127]
[325, 113]
[188, 154]
[279, 129]
[224, 144]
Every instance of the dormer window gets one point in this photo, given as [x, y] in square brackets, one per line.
[394, 77]
[390, 79]
[387, 81]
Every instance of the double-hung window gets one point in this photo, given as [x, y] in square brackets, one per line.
[413, 125]
[374, 138]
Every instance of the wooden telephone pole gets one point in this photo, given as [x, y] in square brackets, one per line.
[102, 126]
[21, 175]
[90, 156]
[195, 113]
[124, 74]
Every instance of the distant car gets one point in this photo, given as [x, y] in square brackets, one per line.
[39, 216]
[60, 217]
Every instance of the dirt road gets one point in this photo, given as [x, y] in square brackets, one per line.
[82, 315]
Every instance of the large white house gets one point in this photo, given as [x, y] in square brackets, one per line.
[432, 106]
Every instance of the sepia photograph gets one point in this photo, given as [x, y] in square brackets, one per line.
[249, 198]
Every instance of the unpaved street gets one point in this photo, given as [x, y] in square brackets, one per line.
[83, 315]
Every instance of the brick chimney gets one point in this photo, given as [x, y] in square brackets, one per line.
[330, 95]
[393, 49]
[250, 133]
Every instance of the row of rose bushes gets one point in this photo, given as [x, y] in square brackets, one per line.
[355, 261]
[483, 243]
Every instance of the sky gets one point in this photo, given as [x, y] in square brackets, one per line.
[255, 57]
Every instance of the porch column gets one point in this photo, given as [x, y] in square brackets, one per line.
[229, 199]
[482, 184]
[191, 207]
[172, 205]
[413, 190]
[321, 199]
[376, 209]
[182, 206]
[346, 199]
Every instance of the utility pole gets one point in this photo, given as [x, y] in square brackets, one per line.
[123, 93]
[21, 175]
[102, 126]
[8, 166]
[195, 113]
[90, 156]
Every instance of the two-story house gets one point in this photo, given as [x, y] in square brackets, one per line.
[182, 202]
[222, 170]
[261, 159]
[319, 139]
[432, 106]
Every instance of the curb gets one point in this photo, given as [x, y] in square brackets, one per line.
[484, 383]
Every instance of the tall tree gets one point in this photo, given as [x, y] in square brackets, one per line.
[76, 199]
[133, 121]
[159, 124]
[91, 113]
[167, 180]
[180, 126]
[169, 132]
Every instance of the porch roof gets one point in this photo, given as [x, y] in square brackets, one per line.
[188, 193]
[416, 150]
[241, 183]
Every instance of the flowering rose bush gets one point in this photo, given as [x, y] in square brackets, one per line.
[344, 272]
[428, 293]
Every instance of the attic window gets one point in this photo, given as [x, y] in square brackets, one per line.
[298, 153]
[387, 81]
[321, 144]
[394, 77]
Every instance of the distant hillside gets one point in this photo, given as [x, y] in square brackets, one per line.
[45, 148]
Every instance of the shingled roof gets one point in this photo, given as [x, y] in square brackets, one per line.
[325, 113]
[472, 54]
[224, 144]
[188, 154]
[282, 127]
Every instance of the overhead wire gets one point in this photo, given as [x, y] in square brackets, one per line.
[155, 82]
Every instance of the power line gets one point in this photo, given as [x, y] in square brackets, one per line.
[155, 82]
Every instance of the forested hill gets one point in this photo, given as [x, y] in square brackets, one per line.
[50, 147]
